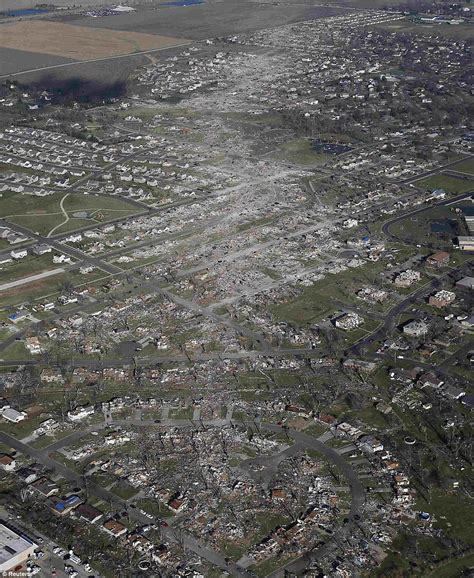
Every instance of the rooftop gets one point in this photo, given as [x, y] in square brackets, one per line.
[12, 543]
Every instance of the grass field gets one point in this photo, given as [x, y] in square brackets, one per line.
[300, 151]
[418, 228]
[27, 293]
[449, 184]
[44, 215]
[461, 31]
[453, 513]
[78, 42]
[30, 265]
[319, 300]
[466, 166]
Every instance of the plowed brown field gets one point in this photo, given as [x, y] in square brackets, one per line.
[78, 42]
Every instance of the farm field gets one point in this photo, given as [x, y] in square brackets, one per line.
[83, 43]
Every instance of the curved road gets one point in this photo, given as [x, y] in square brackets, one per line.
[302, 441]
[64, 212]
[389, 323]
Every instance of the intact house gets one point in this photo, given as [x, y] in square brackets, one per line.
[88, 513]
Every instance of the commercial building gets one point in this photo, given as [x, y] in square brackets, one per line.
[466, 243]
[15, 547]
[467, 282]
[13, 415]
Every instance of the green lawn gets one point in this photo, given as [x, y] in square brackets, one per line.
[269, 566]
[418, 228]
[300, 151]
[466, 166]
[42, 214]
[449, 184]
[124, 490]
[454, 513]
[453, 568]
[22, 428]
[15, 351]
[27, 266]
[154, 507]
[50, 286]
[268, 521]
[318, 300]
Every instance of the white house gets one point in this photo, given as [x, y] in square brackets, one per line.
[80, 413]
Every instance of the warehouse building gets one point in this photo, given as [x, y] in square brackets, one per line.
[15, 547]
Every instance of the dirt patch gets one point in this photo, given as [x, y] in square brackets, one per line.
[34, 411]
[78, 42]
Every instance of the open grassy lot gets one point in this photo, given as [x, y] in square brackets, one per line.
[154, 507]
[325, 296]
[124, 490]
[449, 184]
[466, 166]
[15, 351]
[454, 567]
[459, 31]
[453, 513]
[435, 225]
[301, 152]
[60, 213]
[26, 267]
[48, 287]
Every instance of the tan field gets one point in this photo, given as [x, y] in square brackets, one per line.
[78, 42]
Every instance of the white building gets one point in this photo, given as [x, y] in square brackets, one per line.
[415, 328]
[13, 415]
[18, 254]
[407, 278]
[15, 548]
[349, 321]
[80, 413]
[33, 345]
